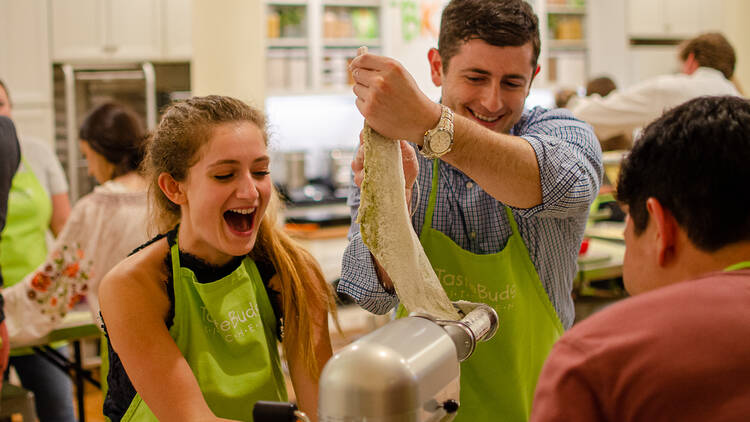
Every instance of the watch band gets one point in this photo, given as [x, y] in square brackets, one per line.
[443, 133]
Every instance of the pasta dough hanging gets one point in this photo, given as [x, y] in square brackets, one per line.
[387, 231]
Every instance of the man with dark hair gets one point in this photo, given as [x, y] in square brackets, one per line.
[679, 350]
[500, 207]
[10, 157]
[707, 67]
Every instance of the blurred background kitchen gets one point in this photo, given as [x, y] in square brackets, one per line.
[61, 58]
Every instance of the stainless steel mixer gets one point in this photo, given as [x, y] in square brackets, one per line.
[406, 371]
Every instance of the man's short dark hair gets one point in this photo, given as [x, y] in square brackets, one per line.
[711, 50]
[502, 23]
[695, 161]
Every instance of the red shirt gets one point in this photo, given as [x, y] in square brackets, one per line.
[679, 353]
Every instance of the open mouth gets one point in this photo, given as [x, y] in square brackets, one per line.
[240, 220]
[484, 118]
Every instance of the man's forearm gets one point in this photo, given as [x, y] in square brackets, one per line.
[504, 166]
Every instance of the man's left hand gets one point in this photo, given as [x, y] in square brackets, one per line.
[390, 100]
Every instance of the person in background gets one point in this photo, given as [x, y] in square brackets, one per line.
[508, 201]
[707, 65]
[193, 317]
[10, 158]
[38, 202]
[600, 86]
[104, 226]
[678, 349]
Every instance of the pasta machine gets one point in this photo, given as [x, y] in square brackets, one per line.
[406, 371]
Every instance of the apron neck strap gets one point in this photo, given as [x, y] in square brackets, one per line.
[433, 199]
[175, 251]
[738, 266]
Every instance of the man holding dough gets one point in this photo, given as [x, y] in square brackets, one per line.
[500, 196]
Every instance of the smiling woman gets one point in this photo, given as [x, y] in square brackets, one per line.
[220, 288]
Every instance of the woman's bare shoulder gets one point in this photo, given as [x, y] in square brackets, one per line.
[141, 273]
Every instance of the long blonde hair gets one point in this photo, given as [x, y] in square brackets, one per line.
[175, 145]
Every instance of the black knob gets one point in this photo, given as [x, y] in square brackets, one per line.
[450, 406]
[269, 411]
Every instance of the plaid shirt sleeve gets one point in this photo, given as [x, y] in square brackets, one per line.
[569, 158]
[358, 277]
[360, 281]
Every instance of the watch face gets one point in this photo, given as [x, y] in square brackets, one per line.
[440, 142]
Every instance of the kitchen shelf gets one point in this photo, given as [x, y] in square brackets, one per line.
[287, 42]
[352, 3]
[314, 56]
[567, 45]
[565, 49]
[287, 3]
[566, 10]
[350, 42]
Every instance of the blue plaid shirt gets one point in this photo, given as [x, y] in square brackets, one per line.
[570, 166]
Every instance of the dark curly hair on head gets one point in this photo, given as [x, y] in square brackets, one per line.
[694, 160]
[502, 23]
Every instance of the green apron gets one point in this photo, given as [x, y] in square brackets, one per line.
[498, 380]
[24, 240]
[226, 330]
[24, 244]
[738, 266]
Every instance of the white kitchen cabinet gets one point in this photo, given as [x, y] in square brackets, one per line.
[105, 30]
[25, 65]
[672, 19]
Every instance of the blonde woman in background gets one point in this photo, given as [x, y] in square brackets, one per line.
[194, 317]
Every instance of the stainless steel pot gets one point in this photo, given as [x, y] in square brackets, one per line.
[294, 170]
[340, 167]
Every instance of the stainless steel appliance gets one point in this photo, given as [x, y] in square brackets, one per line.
[78, 88]
[85, 86]
[406, 371]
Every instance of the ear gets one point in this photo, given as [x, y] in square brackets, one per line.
[666, 231]
[172, 189]
[533, 76]
[690, 64]
[436, 66]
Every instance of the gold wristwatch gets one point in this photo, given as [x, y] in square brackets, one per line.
[439, 140]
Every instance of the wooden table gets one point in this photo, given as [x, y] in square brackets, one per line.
[76, 326]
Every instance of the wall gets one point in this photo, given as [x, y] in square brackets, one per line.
[736, 30]
[229, 49]
[410, 37]
[607, 40]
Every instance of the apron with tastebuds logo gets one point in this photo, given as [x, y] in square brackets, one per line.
[24, 244]
[498, 380]
[226, 330]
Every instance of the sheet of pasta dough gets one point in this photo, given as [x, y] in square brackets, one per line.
[387, 231]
